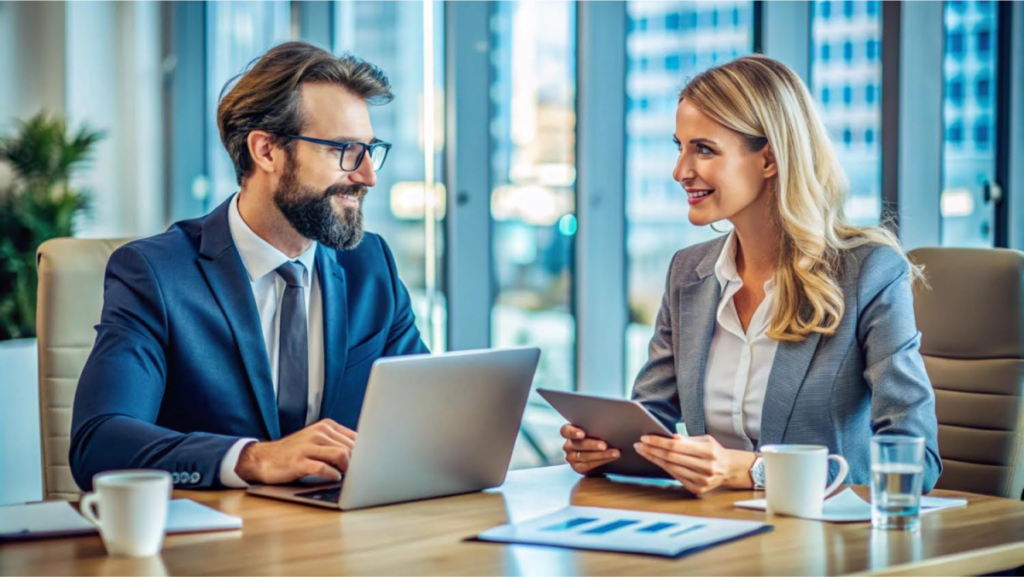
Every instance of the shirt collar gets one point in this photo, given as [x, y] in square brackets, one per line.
[725, 266]
[259, 256]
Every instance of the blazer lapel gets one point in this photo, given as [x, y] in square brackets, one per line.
[792, 360]
[222, 266]
[334, 296]
[698, 305]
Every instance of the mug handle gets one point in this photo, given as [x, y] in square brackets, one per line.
[844, 468]
[86, 507]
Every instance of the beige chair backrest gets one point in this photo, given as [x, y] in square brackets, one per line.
[69, 304]
[972, 339]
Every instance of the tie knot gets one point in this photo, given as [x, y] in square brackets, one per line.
[291, 272]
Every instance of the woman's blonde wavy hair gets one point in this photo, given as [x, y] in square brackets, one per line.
[767, 103]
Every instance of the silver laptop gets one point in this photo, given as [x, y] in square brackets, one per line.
[430, 426]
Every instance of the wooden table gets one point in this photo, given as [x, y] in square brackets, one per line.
[428, 537]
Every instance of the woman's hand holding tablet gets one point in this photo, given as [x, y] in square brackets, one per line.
[602, 431]
[585, 453]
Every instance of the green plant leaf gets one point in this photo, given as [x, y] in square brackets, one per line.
[38, 205]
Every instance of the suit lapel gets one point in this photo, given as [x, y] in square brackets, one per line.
[698, 304]
[698, 307]
[222, 266]
[334, 296]
[792, 360]
[697, 318]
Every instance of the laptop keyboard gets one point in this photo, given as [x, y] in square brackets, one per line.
[329, 495]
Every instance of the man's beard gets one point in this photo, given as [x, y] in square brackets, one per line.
[311, 213]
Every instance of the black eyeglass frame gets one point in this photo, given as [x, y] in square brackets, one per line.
[343, 146]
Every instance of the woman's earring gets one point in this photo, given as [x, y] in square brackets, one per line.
[712, 225]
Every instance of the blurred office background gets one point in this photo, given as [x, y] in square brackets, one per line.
[528, 198]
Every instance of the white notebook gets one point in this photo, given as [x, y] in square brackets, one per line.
[59, 519]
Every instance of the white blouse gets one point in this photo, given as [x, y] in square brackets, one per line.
[739, 362]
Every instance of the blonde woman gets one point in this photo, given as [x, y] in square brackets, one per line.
[796, 327]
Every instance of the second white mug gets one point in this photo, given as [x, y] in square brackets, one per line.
[795, 478]
[132, 512]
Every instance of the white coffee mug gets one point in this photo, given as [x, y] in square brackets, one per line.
[132, 510]
[795, 477]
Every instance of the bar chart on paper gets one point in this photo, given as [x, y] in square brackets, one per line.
[624, 531]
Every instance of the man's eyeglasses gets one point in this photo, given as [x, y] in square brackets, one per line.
[351, 153]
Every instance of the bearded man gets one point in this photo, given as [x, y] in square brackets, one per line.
[235, 348]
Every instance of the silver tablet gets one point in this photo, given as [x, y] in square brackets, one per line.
[618, 422]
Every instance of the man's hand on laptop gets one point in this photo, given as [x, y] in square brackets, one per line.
[322, 449]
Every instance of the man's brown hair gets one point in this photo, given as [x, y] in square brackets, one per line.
[266, 96]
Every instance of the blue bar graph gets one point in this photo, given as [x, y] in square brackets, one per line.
[655, 528]
[609, 527]
[571, 523]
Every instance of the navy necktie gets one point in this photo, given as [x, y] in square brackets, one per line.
[293, 347]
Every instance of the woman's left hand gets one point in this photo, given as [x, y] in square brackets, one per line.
[699, 463]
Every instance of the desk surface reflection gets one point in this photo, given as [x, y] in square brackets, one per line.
[429, 537]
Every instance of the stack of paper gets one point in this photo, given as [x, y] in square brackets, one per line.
[625, 531]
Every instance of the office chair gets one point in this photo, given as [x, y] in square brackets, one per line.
[70, 300]
[972, 326]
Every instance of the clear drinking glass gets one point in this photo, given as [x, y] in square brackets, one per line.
[897, 471]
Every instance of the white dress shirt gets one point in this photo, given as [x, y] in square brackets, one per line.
[261, 260]
[738, 362]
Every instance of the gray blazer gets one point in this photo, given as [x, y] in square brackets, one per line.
[835, 391]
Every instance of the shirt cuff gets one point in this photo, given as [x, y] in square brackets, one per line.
[228, 477]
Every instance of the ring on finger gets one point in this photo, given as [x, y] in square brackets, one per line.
[578, 456]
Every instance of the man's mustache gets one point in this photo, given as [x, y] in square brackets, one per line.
[354, 190]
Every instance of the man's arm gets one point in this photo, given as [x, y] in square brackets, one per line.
[122, 385]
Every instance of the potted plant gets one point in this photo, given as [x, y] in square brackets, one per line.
[37, 204]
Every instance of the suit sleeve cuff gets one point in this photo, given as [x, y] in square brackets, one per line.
[228, 477]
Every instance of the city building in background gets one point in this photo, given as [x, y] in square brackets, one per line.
[533, 173]
[846, 81]
[969, 119]
[666, 44]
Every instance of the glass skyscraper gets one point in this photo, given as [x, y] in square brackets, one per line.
[667, 43]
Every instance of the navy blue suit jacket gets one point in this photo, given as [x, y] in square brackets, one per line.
[180, 372]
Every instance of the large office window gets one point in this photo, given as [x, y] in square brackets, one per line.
[846, 77]
[666, 43]
[236, 34]
[533, 167]
[969, 117]
[405, 40]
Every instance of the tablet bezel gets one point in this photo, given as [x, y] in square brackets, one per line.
[618, 422]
